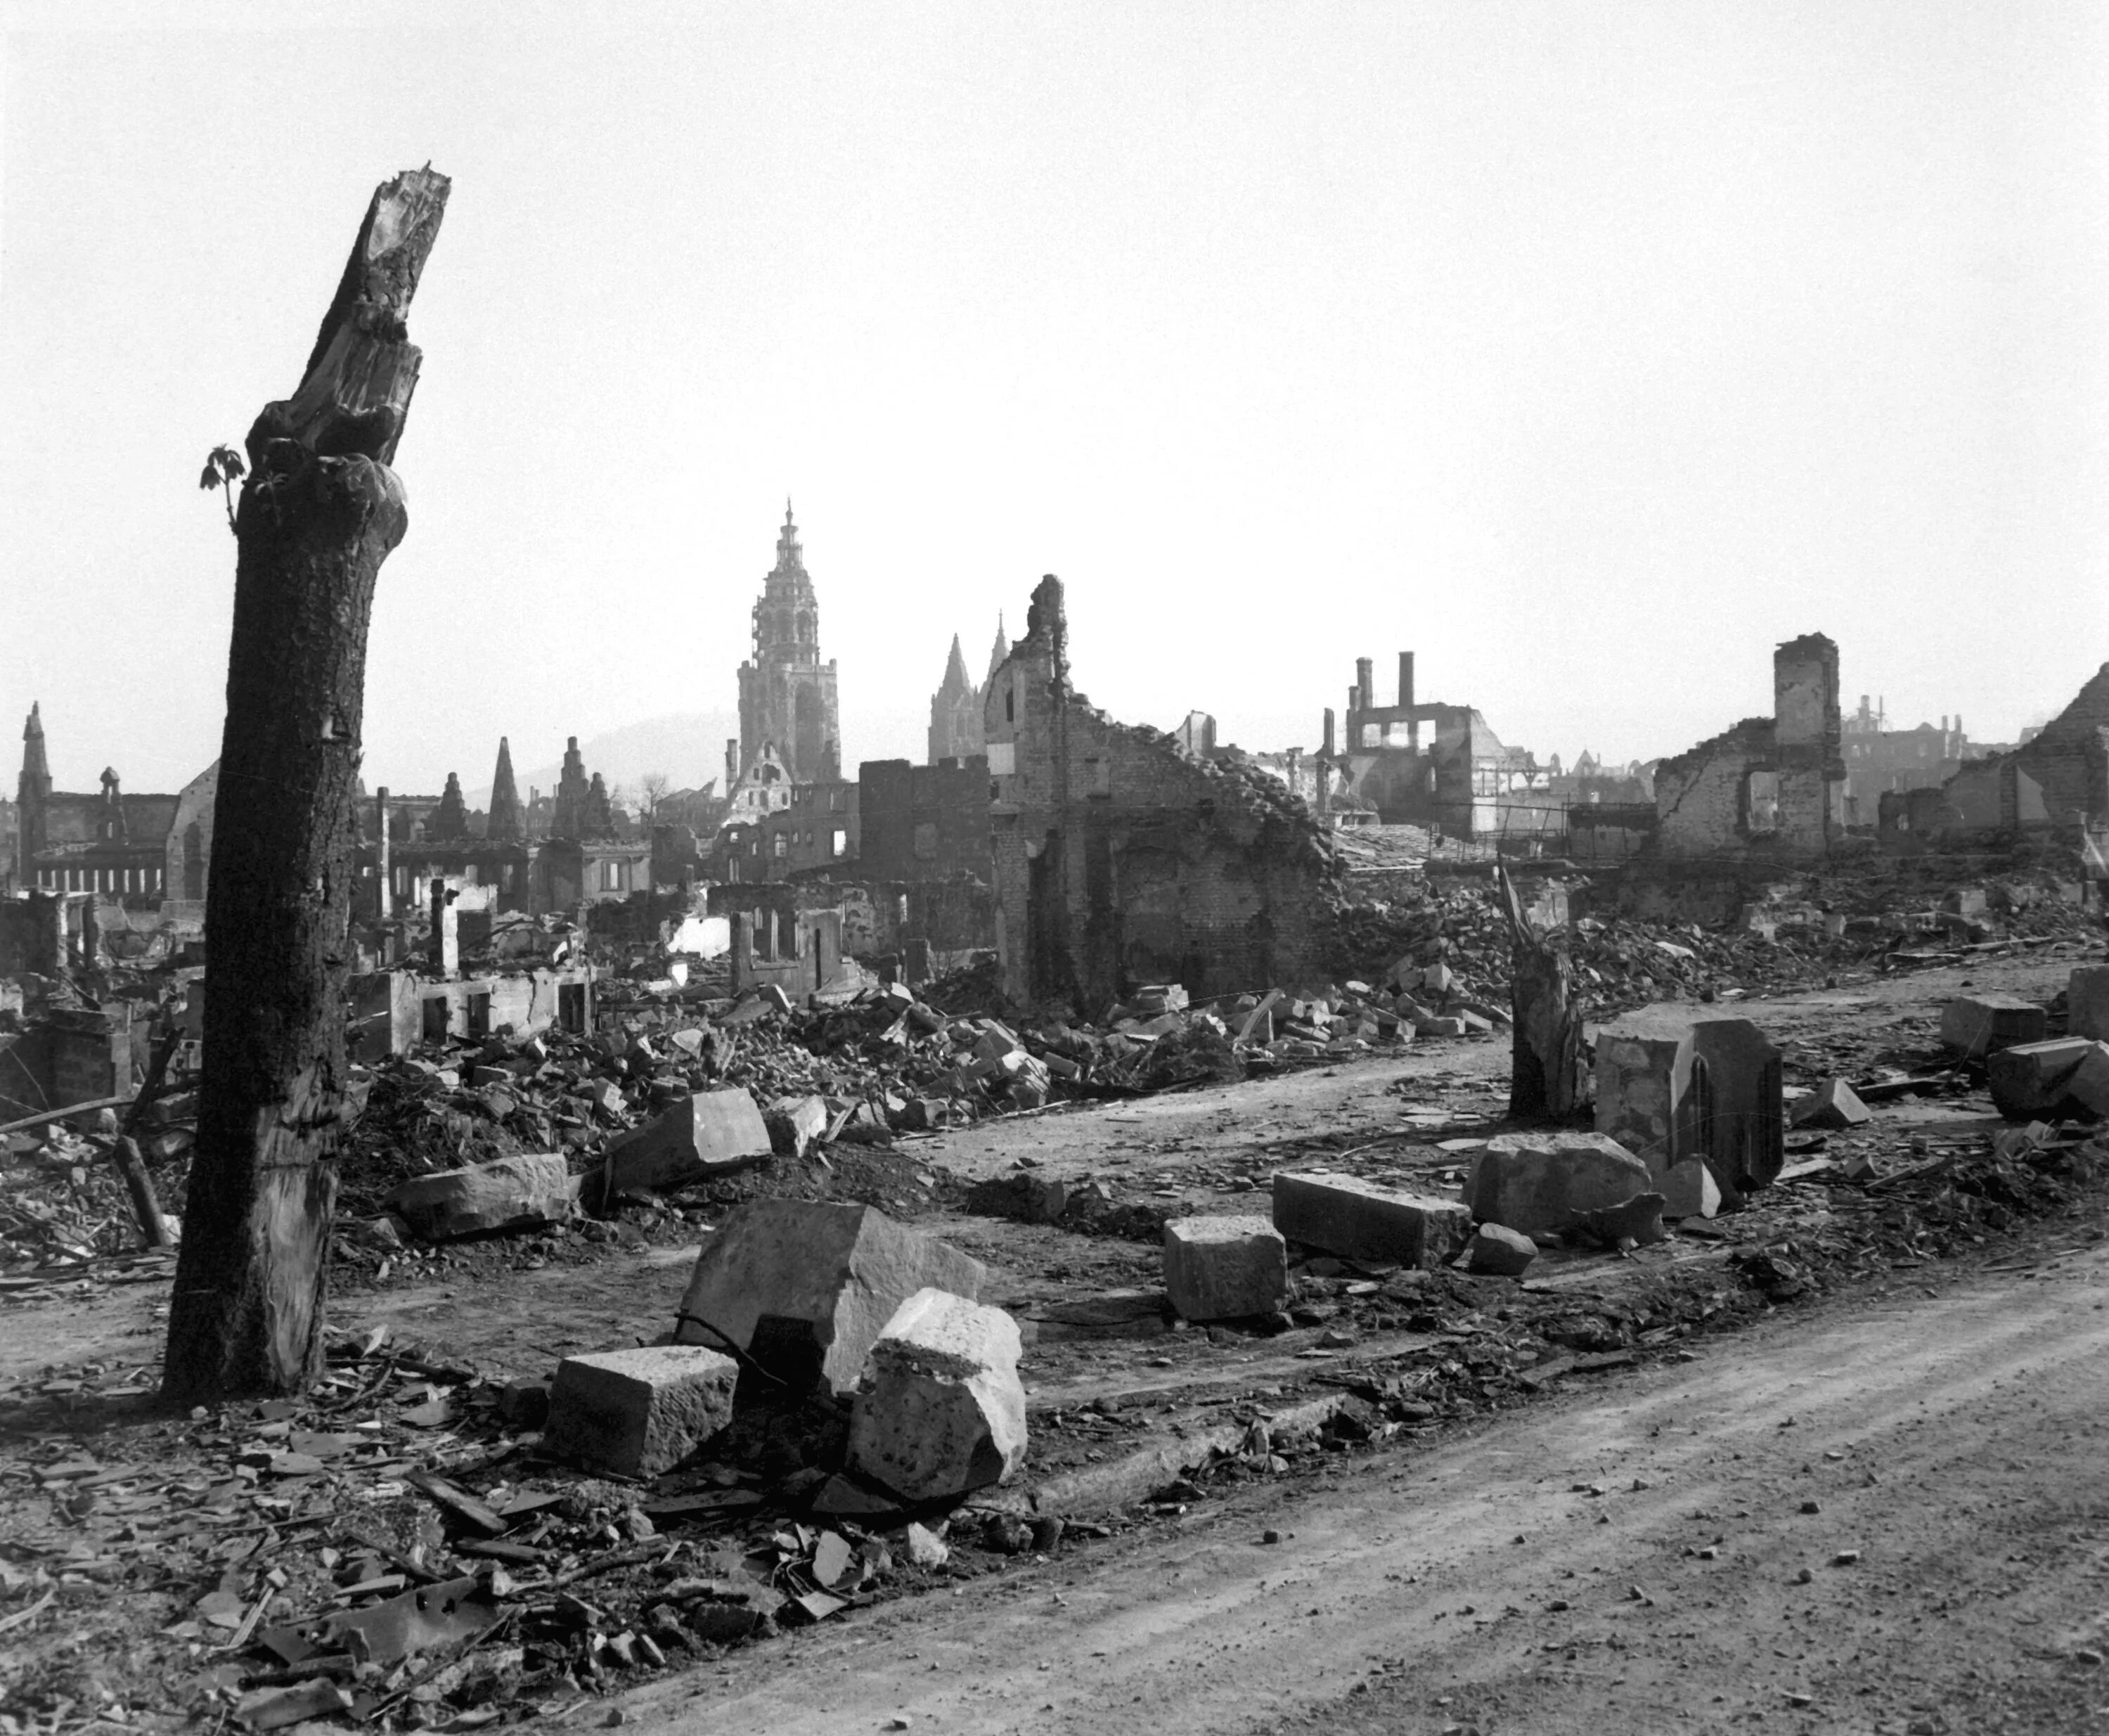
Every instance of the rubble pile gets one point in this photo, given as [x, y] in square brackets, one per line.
[1866, 924]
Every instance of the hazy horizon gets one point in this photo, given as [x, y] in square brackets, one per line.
[1588, 352]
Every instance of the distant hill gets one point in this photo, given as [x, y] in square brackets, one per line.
[688, 746]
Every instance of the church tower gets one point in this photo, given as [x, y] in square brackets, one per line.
[955, 712]
[786, 694]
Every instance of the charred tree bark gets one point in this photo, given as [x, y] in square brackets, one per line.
[1545, 1077]
[320, 512]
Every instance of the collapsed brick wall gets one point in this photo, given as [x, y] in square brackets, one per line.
[1120, 859]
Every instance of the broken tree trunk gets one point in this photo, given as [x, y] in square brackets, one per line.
[320, 512]
[1545, 1077]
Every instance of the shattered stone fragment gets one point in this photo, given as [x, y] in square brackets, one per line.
[1833, 1105]
[1541, 1183]
[1359, 1220]
[1224, 1269]
[1689, 1190]
[510, 1193]
[807, 1287]
[2089, 1087]
[1637, 1220]
[638, 1413]
[701, 1135]
[797, 1124]
[2031, 1080]
[1496, 1251]
[939, 1411]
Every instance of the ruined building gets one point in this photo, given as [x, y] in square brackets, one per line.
[1120, 860]
[1775, 784]
[2056, 782]
[955, 708]
[1879, 758]
[587, 854]
[786, 694]
[1412, 764]
[144, 849]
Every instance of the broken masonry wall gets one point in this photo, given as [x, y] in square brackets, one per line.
[1705, 798]
[923, 822]
[393, 1012]
[954, 915]
[1808, 739]
[803, 957]
[1121, 859]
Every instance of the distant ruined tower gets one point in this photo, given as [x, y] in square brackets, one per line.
[786, 694]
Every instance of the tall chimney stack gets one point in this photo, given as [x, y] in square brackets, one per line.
[1365, 686]
[1406, 678]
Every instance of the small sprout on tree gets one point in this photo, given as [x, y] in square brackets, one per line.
[223, 468]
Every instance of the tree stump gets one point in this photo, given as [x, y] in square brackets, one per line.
[1546, 1075]
[320, 512]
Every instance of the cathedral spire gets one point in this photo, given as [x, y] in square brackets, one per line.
[956, 672]
[1000, 650]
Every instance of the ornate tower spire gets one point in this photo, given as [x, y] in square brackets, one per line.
[786, 694]
[998, 652]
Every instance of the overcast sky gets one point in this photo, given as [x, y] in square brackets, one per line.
[1586, 350]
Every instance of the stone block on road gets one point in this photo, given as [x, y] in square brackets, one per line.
[1224, 1269]
[638, 1413]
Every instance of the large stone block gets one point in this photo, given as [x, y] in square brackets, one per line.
[638, 1413]
[2030, 1080]
[1224, 1269]
[1359, 1220]
[807, 1288]
[701, 1135]
[2087, 1003]
[1540, 1183]
[511, 1193]
[939, 1411]
[1982, 1024]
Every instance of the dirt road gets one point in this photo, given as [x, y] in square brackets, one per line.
[1643, 1557]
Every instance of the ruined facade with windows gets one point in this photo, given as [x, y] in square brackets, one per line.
[815, 826]
[1775, 784]
[1440, 767]
[1120, 859]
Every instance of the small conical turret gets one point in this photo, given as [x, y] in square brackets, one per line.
[450, 819]
[508, 821]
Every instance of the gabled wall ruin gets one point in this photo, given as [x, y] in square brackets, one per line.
[1120, 859]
